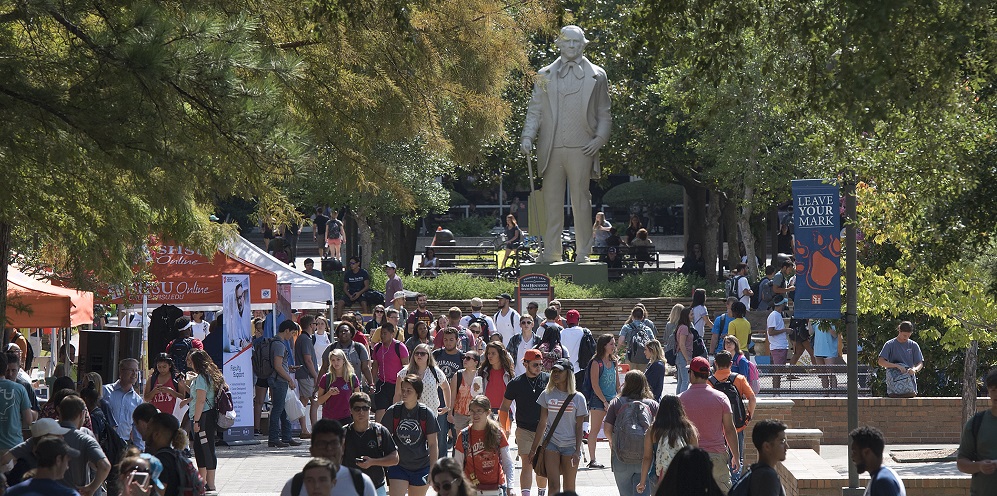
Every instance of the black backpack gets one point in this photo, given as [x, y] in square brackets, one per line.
[586, 350]
[263, 358]
[736, 403]
[299, 479]
[486, 330]
[731, 288]
[178, 352]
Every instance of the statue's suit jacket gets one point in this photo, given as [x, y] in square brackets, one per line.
[542, 112]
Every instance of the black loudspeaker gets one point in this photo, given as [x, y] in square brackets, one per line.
[129, 343]
[99, 353]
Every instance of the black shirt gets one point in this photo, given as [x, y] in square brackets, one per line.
[525, 391]
[375, 442]
[320, 221]
[354, 280]
[448, 363]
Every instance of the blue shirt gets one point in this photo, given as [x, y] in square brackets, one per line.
[123, 404]
[885, 482]
[655, 374]
[825, 345]
[13, 401]
[41, 487]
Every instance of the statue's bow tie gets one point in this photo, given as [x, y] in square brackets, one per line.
[573, 68]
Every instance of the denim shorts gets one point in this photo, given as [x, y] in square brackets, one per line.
[569, 451]
[596, 403]
[413, 477]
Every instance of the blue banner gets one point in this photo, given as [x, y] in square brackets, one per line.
[817, 248]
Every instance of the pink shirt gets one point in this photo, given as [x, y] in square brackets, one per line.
[388, 361]
[705, 407]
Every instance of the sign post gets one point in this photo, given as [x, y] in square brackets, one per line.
[817, 247]
[533, 288]
[237, 348]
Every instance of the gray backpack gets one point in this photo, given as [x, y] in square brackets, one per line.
[632, 423]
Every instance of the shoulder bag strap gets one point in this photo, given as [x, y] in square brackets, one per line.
[560, 413]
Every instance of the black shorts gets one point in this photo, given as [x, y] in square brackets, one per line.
[385, 395]
[261, 382]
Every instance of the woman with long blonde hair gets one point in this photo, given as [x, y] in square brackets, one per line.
[483, 449]
[655, 367]
[424, 366]
[336, 386]
[562, 453]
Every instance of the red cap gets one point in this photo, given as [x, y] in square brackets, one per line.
[531, 355]
[572, 316]
[700, 365]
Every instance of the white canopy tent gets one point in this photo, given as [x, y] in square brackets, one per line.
[307, 292]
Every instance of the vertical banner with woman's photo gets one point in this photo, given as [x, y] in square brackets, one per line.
[237, 347]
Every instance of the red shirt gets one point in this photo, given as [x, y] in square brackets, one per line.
[495, 390]
[484, 468]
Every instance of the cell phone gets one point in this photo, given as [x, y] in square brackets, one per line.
[359, 459]
[142, 478]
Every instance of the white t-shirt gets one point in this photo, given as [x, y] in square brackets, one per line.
[780, 341]
[507, 326]
[698, 316]
[571, 340]
[742, 285]
[466, 320]
[322, 343]
[524, 345]
[343, 487]
[200, 329]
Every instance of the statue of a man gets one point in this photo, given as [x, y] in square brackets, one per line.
[570, 109]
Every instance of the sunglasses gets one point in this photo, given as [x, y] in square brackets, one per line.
[525, 322]
[446, 486]
[378, 311]
[357, 408]
[470, 358]
[421, 353]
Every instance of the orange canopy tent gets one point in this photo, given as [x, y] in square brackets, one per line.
[185, 277]
[46, 305]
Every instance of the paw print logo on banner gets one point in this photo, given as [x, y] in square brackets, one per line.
[818, 266]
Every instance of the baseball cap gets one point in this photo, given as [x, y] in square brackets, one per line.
[700, 365]
[564, 364]
[155, 470]
[390, 265]
[45, 426]
[475, 302]
[504, 296]
[531, 355]
[572, 316]
[398, 294]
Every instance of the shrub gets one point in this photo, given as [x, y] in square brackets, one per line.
[473, 226]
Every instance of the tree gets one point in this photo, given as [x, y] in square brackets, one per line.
[120, 122]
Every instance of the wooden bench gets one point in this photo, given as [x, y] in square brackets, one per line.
[812, 380]
[480, 260]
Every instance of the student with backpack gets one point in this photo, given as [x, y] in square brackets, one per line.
[689, 344]
[204, 392]
[483, 449]
[671, 431]
[496, 371]
[368, 445]
[329, 441]
[741, 364]
[628, 419]
[389, 356]
[413, 428]
[464, 385]
[720, 326]
[655, 372]
[335, 387]
[164, 386]
[600, 387]
[699, 315]
[635, 334]
[736, 387]
[164, 440]
[179, 348]
[670, 344]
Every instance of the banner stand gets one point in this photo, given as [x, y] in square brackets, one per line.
[237, 350]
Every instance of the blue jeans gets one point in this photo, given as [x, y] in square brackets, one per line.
[734, 476]
[627, 476]
[280, 427]
[681, 374]
[444, 446]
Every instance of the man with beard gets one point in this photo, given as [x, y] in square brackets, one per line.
[242, 334]
[450, 360]
[524, 390]
[327, 442]
[419, 314]
[867, 445]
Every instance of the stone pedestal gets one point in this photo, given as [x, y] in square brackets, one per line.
[587, 273]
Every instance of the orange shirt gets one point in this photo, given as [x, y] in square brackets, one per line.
[484, 468]
[741, 383]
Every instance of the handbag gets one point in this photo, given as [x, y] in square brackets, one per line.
[539, 465]
[900, 383]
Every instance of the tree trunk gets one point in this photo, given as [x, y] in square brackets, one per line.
[728, 215]
[694, 212]
[747, 234]
[969, 387]
[711, 252]
[5, 252]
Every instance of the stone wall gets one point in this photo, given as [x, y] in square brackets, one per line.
[903, 421]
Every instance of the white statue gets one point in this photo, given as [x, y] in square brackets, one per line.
[570, 109]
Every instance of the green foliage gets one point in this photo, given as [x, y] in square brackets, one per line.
[463, 286]
[643, 193]
[473, 226]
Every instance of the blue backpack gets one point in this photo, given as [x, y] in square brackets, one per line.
[587, 390]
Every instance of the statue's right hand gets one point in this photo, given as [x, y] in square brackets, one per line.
[526, 146]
